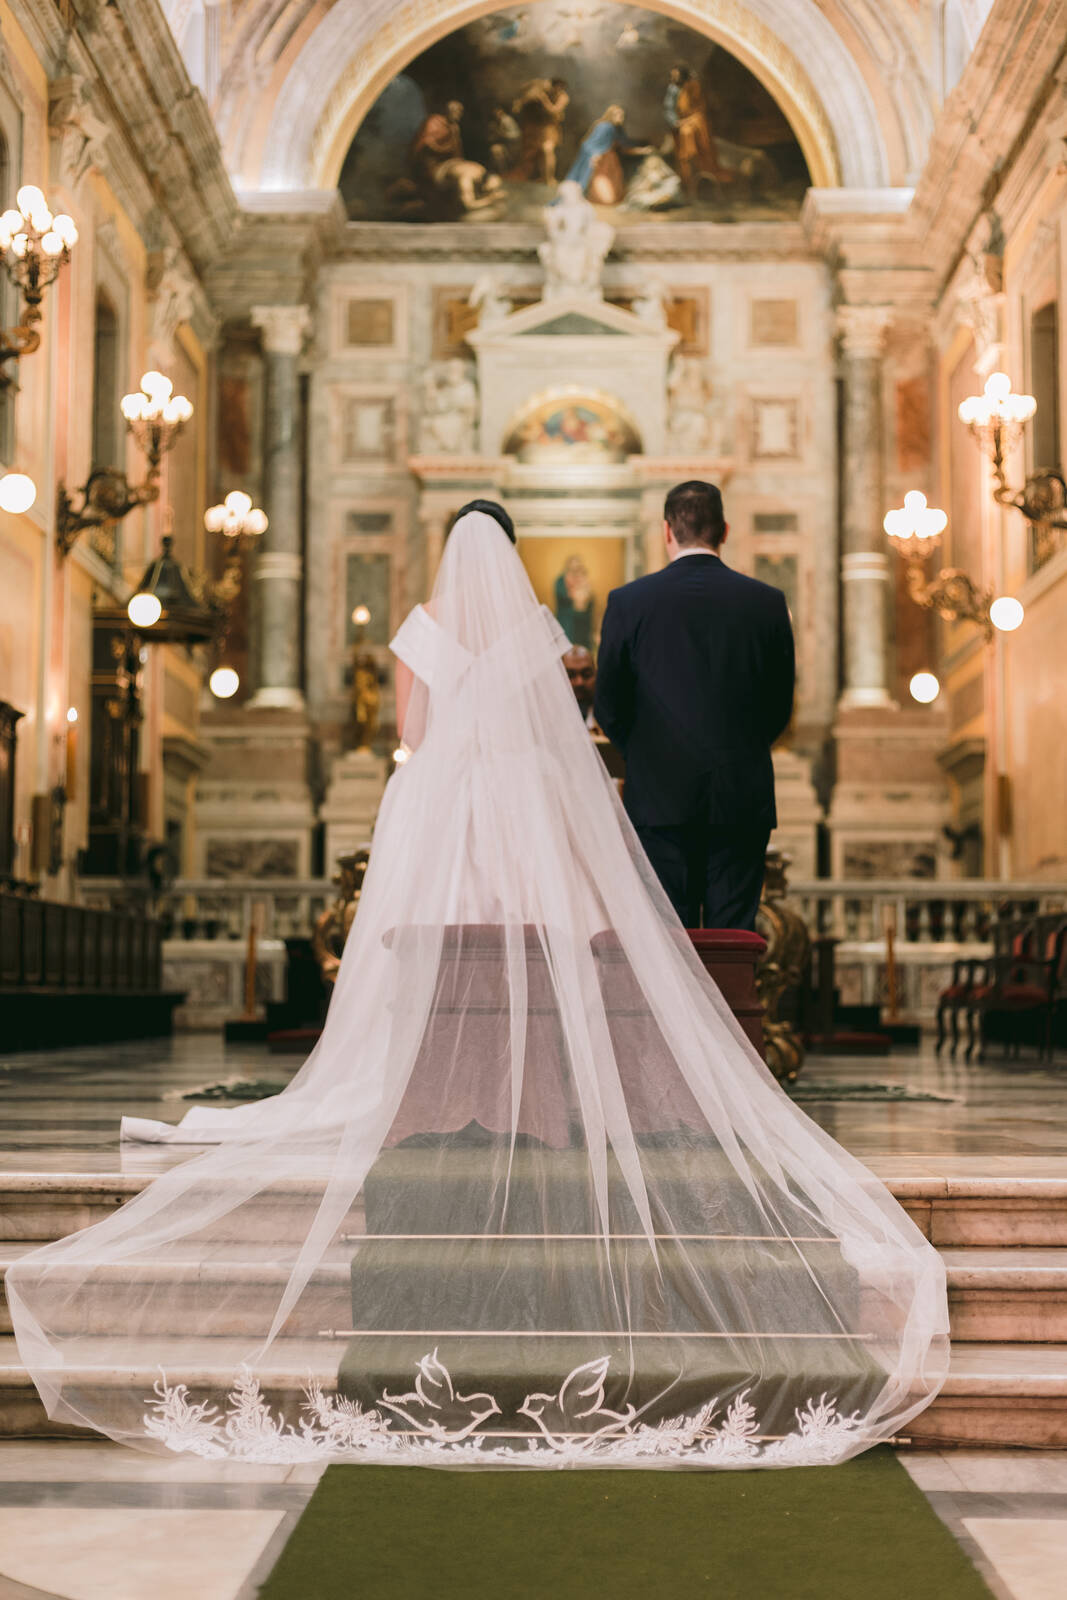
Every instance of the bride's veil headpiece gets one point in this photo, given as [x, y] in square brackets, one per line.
[533, 1198]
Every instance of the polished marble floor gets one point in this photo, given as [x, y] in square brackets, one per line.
[93, 1521]
[60, 1110]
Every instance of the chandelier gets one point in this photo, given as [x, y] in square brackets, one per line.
[34, 245]
[914, 531]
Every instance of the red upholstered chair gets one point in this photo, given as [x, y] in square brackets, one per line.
[1018, 1000]
[972, 978]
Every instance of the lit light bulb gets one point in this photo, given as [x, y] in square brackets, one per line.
[42, 220]
[156, 385]
[20, 244]
[144, 610]
[52, 244]
[17, 492]
[1006, 613]
[997, 387]
[924, 688]
[256, 522]
[215, 519]
[30, 199]
[238, 503]
[400, 755]
[361, 616]
[224, 683]
[11, 222]
[134, 407]
[72, 714]
[64, 226]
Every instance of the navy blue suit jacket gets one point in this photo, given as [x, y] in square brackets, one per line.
[695, 680]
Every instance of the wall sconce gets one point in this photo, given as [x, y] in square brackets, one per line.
[239, 521]
[35, 245]
[914, 530]
[997, 418]
[155, 416]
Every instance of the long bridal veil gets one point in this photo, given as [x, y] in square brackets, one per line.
[533, 1199]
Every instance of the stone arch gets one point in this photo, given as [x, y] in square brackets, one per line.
[360, 45]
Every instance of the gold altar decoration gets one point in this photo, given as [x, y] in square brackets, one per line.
[783, 972]
[331, 928]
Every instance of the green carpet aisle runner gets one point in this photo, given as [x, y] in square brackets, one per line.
[861, 1531]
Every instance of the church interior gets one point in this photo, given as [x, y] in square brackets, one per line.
[285, 284]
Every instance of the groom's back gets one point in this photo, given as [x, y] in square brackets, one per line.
[696, 683]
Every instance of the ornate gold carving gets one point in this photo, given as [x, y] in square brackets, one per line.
[783, 972]
[331, 928]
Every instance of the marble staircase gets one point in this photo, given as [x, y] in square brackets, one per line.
[1003, 1239]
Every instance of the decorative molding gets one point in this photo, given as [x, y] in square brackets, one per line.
[863, 330]
[284, 328]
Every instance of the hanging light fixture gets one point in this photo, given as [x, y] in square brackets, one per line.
[997, 418]
[165, 607]
[17, 492]
[224, 683]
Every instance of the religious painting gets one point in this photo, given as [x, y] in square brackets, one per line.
[651, 118]
[573, 425]
[573, 577]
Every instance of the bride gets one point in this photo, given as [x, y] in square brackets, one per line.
[533, 1199]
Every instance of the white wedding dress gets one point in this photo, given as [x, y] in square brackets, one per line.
[533, 1199]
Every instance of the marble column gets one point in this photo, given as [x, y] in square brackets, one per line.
[279, 566]
[865, 568]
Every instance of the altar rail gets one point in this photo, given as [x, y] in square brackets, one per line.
[935, 921]
[922, 911]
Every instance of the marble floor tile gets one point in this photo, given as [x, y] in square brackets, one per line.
[93, 1554]
[80, 1461]
[1006, 1472]
[1028, 1554]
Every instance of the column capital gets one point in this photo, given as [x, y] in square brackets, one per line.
[863, 329]
[284, 328]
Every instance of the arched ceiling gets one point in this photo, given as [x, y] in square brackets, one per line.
[289, 81]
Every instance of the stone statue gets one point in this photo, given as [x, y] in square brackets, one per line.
[449, 408]
[578, 241]
[689, 422]
[486, 299]
[650, 303]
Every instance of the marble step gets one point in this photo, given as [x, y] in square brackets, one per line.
[996, 1295]
[982, 1212]
[996, 1395]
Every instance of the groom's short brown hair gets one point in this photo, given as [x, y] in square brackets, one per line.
[693, 512]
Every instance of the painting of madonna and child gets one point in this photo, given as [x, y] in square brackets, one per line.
[651, 118]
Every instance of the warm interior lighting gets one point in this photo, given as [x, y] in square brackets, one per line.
[224, 683]
[72, 714]
[915, 519]
[924, 688]
[997, 405]
[361, 616]
[1006, 613]
[17, 492]
[144, 610]
[400, 755]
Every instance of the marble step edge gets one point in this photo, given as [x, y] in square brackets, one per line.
[1020, 1267]
[1024, 1371]
[124, 1184]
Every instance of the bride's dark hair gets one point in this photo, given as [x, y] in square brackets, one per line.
[492, 509]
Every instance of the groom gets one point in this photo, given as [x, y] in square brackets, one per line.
[694, 685]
